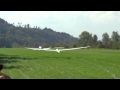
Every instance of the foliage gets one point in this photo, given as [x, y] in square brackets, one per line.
[26, 36]
[86, 38]
[18, 36]
[105, 40]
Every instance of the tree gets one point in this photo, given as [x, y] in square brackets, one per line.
[95, 38]
[115, 36]
[85, 38]
[28, 25]
[106, 40]
[115, 40]
[99, 44]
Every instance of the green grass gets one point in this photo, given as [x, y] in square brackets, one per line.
[21, 63]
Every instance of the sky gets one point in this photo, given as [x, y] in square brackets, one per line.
[71, 22]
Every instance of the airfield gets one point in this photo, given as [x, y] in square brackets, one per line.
[22, 63]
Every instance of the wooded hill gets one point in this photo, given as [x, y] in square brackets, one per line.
[25, 36]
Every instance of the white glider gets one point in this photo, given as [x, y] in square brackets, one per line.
[40, 48]
[58, 50]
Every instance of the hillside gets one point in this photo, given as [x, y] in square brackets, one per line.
[18, 36]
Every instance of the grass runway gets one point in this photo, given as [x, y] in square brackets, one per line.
[22, 63]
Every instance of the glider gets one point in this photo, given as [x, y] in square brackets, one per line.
[58, 50]
[40, 48]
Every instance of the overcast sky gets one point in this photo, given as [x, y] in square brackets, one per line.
[71, 22]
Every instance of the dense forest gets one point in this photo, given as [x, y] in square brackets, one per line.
[25, 36]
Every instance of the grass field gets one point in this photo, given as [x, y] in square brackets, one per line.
[22, 63]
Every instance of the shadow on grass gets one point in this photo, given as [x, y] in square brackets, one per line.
[12, 67]
[56, 57]
[8, 59]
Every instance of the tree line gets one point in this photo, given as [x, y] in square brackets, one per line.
[113, 42]
[27, 36]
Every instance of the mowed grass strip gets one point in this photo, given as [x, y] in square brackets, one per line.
[22, 63]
